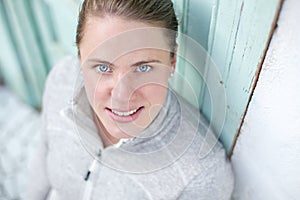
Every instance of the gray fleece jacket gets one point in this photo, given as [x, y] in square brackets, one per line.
[176, 157]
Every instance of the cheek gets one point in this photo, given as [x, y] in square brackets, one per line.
[94, 88]
[154, 93]
[101, 92]
[155, 90]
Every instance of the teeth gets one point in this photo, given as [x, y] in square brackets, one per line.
[124, 113]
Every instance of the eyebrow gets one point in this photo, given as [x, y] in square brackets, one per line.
[145, 62]
[100, 61]
[133, 65]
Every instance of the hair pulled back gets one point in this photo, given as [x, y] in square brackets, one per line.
[158, 12]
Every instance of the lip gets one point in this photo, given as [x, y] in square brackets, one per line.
[124, 119]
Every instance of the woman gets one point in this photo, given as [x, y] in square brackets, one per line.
[121, 133]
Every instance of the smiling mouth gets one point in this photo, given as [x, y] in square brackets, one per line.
[124, 113]
[124, 117]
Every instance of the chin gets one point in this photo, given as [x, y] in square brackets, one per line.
[126, 130]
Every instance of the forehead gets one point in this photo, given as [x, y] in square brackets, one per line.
[113, 36]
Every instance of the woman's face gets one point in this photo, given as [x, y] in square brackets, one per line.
[125, 80]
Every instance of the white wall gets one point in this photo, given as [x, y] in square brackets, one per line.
[266, 159]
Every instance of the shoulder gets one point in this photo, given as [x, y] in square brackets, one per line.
[63, 72]
[195, 125]
[208, 166]
[61, 82]
[211, 171]
[214, 178]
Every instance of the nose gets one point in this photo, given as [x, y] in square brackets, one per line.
[122, 90]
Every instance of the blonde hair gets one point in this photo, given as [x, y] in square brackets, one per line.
[159, 12]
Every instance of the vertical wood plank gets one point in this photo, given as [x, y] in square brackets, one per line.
[33, 65]
[194, 18]
[9, 62]
[65, 13]
[237, 42]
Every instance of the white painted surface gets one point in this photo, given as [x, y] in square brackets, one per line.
[266, 158]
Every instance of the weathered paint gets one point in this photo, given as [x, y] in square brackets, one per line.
[238, 38]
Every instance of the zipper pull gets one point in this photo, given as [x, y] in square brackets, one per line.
[92, 167]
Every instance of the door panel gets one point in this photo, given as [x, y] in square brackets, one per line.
[237, 43]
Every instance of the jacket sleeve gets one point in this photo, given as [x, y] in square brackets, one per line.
[216, 182]
[38, 186]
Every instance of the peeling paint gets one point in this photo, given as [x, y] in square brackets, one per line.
[237, 46]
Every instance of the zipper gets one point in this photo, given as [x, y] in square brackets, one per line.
[92, 167]
[89, 184]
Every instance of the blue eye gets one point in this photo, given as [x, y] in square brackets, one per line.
[103, 68]
[143, 68]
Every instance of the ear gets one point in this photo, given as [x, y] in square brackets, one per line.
[174, 60]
